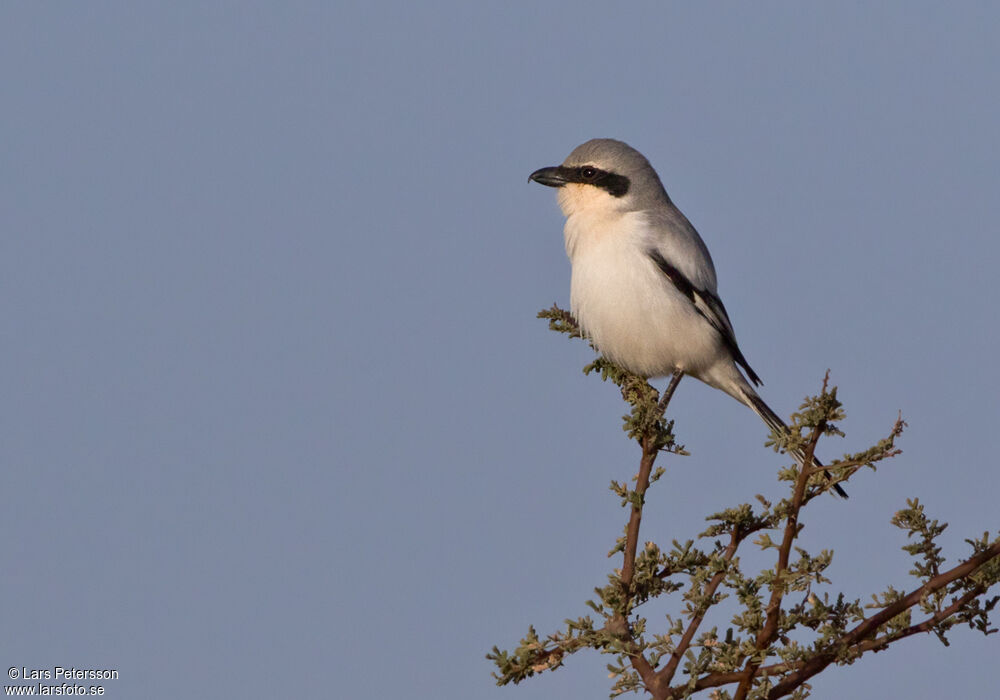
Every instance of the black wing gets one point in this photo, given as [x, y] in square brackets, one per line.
[708, 305]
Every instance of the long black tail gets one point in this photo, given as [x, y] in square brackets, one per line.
[774, 422]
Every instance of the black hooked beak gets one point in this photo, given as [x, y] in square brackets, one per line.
[552, 177]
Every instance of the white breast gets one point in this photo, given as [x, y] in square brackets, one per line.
[627, 306]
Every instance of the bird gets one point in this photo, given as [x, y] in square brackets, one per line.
[643, 287]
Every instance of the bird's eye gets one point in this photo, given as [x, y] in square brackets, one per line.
[588, 173]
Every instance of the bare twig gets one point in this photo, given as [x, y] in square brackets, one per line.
[668, 393]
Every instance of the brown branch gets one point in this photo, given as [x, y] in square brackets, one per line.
[649, 452]
[639, 661]
[854, 464]
[645, 670]
[635, 518]
[870, 626]
[925, 626]
[770, 629]
[667, 673]
[714, 680]
[668, 393]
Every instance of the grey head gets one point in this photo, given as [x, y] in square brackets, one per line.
[612, 166]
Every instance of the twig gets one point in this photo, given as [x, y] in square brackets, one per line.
[649, 452]
[714, 680]
[788, 684]
[770, 629]
[667, 673]
[925, 626]
[870, 626]
[668, 393]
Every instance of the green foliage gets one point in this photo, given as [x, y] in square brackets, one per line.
[786, 626]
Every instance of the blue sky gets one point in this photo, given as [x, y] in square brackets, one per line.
[278, 418]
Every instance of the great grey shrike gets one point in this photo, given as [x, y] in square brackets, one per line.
[643, 285]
